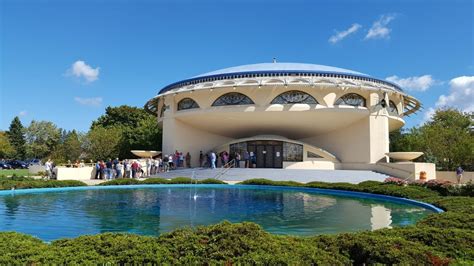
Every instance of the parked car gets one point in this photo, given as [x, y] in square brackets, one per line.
[33, 162]
[5, 165]
[17, 164]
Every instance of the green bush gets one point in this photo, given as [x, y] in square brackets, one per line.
[181, 180]
[120, 181]
[211, 181]
[155, 180]
[6, 184]
[266, 182]
[448, 220]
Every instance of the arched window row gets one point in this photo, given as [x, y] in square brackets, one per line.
[292, 97]
[187, 103]
[232, 98]
[352, 99]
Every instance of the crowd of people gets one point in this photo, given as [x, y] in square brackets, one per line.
[225, 159]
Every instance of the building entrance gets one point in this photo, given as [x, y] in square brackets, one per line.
[269, 154]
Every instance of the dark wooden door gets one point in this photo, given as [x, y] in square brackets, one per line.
[260, 156]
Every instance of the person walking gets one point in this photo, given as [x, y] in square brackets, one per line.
[459, 172]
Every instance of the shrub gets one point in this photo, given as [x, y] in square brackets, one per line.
[6, 184]
[453, 204]
[449, 220]
[181, 180]
[23, 249]
[395, 181]
[155, 180]
[120, 181]
[266, 182]
[211, 181]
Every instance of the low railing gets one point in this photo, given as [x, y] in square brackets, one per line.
[226, 167]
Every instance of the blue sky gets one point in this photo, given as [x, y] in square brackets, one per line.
[125, 51]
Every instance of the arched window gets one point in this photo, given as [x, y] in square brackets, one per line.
[353, 99]
[232, 98]
[392, 108]
[291, 97]
[187, 103]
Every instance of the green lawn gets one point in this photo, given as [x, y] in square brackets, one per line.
[18, 172]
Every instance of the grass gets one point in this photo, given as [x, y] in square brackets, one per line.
[17, 172]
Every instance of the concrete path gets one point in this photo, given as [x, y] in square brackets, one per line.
[299, 175]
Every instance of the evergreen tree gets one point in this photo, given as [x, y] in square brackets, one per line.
[17, 138]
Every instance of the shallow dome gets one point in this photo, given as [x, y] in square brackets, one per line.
[292, 67]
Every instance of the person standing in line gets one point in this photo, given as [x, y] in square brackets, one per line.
[246, 159]
[213, 160]
[109, 171]
[459, 172]
[119, 169]
[157, 165]
[97, 170]
[134, 169]
[201, 159]
[188, 160]
[237, 160]
[128, 169]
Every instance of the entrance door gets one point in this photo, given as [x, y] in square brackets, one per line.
[268, 153]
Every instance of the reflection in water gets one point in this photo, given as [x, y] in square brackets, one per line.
[151, 211]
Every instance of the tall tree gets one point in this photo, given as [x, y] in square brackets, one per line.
[42, 138]
[17, 138]
[124, 115]
[103, 143]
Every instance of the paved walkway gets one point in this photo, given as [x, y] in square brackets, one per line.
[299, 175]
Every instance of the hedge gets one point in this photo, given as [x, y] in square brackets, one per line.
[14, 182]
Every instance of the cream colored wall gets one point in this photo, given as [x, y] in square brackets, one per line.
[451, 176]
[350, 144]
[68, 173]
[181, 137]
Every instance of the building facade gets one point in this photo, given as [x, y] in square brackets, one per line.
[289, 115]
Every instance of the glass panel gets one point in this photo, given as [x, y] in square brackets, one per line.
[187, 103]
[352, 99]
[232, 98]
[292, 97]
[238, 147]
[292, 152]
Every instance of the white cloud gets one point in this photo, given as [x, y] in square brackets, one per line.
[428, 115]
[81, 69]
[461, 94]
[339, 36]
[23, 113]
[379, 29]
[417, 83]
[97, 101]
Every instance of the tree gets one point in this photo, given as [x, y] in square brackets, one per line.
[124, 115]
[42, 138]
[17, 138]
[6, 149]
[139, 128]
[104, 143]
[447, 136]
[70, 147]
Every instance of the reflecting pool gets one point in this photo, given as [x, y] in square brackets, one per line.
[156, 209]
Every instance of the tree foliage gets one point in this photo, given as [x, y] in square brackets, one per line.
[104, 143]
[16, 136]
[42, 137]
[445, 140]
[124, 116]
[6, 149]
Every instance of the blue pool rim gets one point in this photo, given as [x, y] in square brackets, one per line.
[322, 191]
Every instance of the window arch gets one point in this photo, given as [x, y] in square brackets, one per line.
[232, 98]
[187, 103]
[292, 97]
[392, 108]
[352, 99]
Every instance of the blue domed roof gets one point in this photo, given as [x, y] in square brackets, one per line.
[293, 67]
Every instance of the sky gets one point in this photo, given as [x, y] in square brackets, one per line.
[66, 61]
